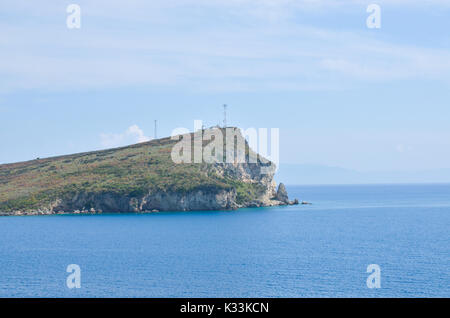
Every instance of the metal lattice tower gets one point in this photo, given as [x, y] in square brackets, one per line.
[225, 116]
[156, 129]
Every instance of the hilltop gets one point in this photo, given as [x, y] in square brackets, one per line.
[136, 178]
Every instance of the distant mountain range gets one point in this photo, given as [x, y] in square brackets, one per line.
[319, 174]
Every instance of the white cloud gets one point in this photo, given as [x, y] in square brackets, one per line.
[403, 148]
[132, 135]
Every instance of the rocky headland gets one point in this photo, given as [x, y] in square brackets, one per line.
[139, 178]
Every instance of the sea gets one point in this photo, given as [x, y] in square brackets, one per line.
[352, 241]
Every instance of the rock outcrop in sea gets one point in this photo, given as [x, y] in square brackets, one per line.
[138, 178]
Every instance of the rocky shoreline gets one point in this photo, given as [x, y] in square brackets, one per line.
[154, 203]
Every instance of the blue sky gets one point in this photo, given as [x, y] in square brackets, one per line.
[342, 95]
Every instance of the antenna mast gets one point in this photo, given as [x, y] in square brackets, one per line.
[156, 129]
[225, 116]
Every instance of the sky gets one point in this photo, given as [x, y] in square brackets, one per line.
[342, 95]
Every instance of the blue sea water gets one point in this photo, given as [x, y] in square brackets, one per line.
[321, 250]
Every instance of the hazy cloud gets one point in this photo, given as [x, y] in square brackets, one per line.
[131, 136]
[191, 44]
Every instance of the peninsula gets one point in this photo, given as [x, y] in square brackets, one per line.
[138, 178]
